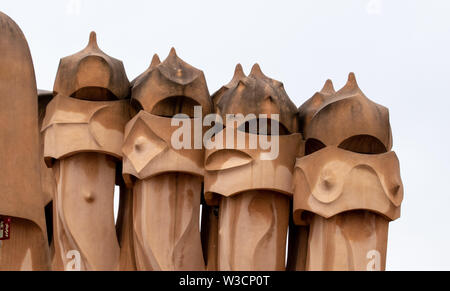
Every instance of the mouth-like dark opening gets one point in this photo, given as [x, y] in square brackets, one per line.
[172, 106]
[94, 94]
[264, 126]
[363, 144]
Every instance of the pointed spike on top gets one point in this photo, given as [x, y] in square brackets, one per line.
[328, 88]
[238, 72]
[351, 84]
[238, 69]
[352, 81]
[256, 71]
[352, 77]
[93, 40]
[155, 61]
[238, 76]
[173, 52]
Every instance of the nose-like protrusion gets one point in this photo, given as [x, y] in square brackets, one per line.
[395, 190]
[89, 197]
[396, 193]
[328, 180]
[140, 144]
[329, 184]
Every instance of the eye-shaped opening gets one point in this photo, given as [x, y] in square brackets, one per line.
[135, 107]
[94, 94]
[363, 144]
[169, 107]
[264, 126]
[313, 145]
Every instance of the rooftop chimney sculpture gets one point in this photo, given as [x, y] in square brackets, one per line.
[23, 230]
[167, 182]
[348, 186]
[83, 133]
[228, 182]
[253, 193]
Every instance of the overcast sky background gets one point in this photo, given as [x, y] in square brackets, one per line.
[399, 51]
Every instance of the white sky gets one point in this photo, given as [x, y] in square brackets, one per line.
[399, 51]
